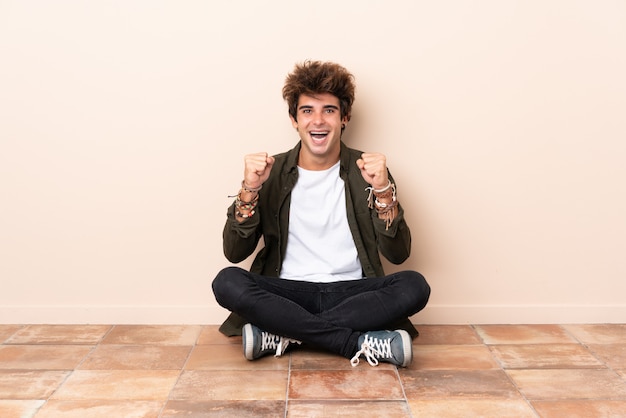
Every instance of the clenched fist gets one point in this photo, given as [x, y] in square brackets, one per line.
[257, 169]
[373, 168]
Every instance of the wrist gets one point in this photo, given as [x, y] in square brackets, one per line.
[251, 189]
[245, 202]
[384, 201]
[247, 196]
[381, 189]
[385, 194]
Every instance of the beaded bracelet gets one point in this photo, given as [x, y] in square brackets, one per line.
[245, 205]
[242, 204]
[244, 215]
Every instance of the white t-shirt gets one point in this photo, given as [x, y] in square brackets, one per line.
[320, 247]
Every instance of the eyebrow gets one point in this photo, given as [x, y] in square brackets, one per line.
[328, 106]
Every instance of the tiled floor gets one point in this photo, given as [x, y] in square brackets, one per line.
[193, 371]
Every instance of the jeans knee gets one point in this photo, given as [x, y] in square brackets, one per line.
[226, 285]
[218, 281]
[419, 288]
[420, 281]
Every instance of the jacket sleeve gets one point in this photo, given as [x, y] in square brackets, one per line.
[240, 239]
[393, 243]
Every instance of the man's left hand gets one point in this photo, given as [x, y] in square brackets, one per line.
[373, 168]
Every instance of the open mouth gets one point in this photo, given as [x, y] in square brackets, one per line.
[318, 136]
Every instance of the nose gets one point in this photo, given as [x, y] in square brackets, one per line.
[318, 118]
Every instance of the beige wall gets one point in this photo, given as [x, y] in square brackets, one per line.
[123, 125]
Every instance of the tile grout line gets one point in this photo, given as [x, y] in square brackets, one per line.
[71, 372]
[288, 385]
[45, 401]
[593, 353]
[6, 340]
[406, 399]
[93, 348]
[182, 370]
[503, 369]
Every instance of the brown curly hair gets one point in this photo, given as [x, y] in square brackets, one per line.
[315, 77]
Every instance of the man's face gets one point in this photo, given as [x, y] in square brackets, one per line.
[319, 124]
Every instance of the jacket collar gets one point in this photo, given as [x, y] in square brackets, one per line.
[291, 164]
[344, 157]
[292, 158]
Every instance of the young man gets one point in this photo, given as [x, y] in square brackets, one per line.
[325, 211]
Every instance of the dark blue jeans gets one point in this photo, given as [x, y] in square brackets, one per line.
[328, 315]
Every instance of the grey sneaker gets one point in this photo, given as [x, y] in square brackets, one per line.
[258, 343]
[389, 346]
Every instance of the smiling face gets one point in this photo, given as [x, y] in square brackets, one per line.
[319, 124]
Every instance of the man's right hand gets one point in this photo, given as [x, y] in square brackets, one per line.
[257, 169]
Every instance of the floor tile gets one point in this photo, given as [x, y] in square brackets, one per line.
[224, 409]
[118, 385]
[569, 384]
[345, 409]
[210, 334]
[35, 384]
[169, 371]
[580, 409]
[307, 358]
[206, 385]
[6, 331]
[614, 355]
[230, 357]
[598, 333]
[524, 334]
[462, 408]
[370, 383]
[452, 357]
[545, 356]
[19, 409]
[153, 334]
[50, 357]
[446, 334]
[100, 409]
[137, 357]
[59, 334]
[463, 384]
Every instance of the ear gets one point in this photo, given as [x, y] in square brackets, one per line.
[294, 122]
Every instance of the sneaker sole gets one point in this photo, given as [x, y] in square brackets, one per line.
[248, 341]
[407, 345]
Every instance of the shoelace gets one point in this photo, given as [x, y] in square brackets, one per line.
[270, 342]
[282, 345]
[372, 349]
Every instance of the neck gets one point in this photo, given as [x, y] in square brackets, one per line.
[313, 163]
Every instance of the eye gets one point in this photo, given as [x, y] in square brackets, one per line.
[330, 110]
[306, 110]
